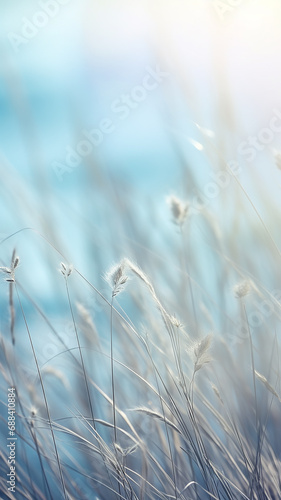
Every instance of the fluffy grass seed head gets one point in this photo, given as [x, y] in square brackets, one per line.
[15, 262]
[267, 385]
[117, 278]
[7, 270]
[33, 411]
[179, 209]
[66, 269]
[33, 415]
[11, 270]
[202, 352]
[175, 321]
[242, 289]
[57, 374]
[217, 393]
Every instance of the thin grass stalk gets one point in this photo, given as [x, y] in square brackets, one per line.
[80, 354]
[114, 403]
[186, 270]
[199, 454]
[254, 472]
[83, 366]
[112, 372]
[11, 303]
[45, 398]
[45, 480]
[14, 384]
[253, 363]
[113, 398]
[167, 433]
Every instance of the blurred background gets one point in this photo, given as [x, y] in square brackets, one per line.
[109, 107]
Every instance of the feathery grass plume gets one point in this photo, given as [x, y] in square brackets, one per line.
[179, 209]
[142, 276]
[243, 288]
[14, 264]
[33, 411]
[11, 270]
[267, 385]
[58, 374]
[117, 278]
[157, 415]
[175, 321]
[86, 324]
[11, 279]
[66, 269]
[6, 270]
[201, 352]
[217, 393]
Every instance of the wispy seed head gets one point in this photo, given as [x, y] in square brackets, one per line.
[117, 278]
[243, 288]
[16, 262]
[267, 384]
[179, 209]
[202, 352]
[33, 411]
[175, 322]
[217, 393]
[11, 270]
[66, 269]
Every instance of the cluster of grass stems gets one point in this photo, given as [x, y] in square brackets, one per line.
[147, 403]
